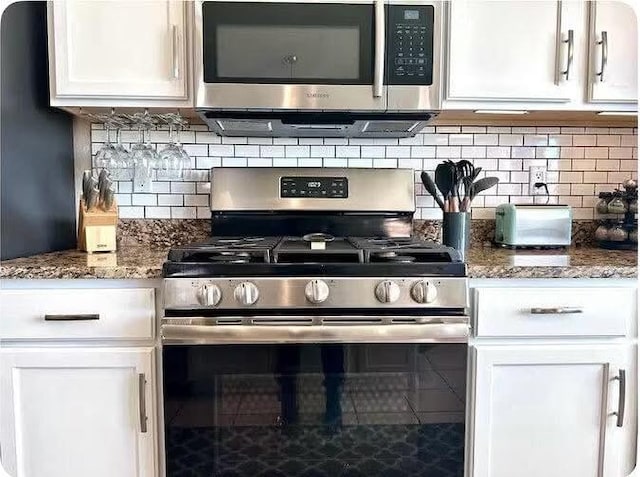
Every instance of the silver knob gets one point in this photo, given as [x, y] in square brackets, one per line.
[316, 291]
[424, 292]
[209, 295]
[387, 291]
[246, 293]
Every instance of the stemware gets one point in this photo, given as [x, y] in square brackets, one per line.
[170, 158]
[144, 159]
[106, 157]
[125, 166]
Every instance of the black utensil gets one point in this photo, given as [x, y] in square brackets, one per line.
[445, 176]
[430, 186]
[481, 185]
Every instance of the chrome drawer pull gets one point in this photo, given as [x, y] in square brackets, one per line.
[143, 402]
[622, 378]
[75, 317]
[604, 44]
[560, 310]
[569, 42]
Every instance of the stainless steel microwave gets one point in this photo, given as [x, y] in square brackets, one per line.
[360, 56]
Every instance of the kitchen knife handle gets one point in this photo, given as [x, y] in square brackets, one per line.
[175, 66]
[378, 68]
[604, 45]
[559, 310]
[622, 379]
[72, 317]
[569, 42]
[142, 401]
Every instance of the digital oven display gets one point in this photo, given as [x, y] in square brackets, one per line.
[411, 15]
[314, 187]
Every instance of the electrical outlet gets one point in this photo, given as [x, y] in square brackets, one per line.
[537, 174]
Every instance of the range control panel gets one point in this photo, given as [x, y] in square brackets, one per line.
[314, 187]
[410, 51]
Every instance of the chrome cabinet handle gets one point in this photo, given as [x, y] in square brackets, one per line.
[560, 310]
[142, 402]
[569, 42]
[622, 379]
[604, 45]
[72, 317]
[378, 68]
[174, 52]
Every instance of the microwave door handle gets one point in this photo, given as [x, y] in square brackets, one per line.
[378, 68]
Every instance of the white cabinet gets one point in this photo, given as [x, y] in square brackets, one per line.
[505, 50]
[540, 55]
[547, 410]
[118, 52]
[613, 52]
[77, 412]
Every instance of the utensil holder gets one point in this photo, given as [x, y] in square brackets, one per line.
[456, 231]
[97, 229]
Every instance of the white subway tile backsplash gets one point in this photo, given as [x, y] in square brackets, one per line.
[374, 151]
[157, 213]
[247, 151]
[580, 163]
[510, 140]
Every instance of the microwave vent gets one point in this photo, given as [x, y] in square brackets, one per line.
[244, 125]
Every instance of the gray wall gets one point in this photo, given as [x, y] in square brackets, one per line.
[37, 209]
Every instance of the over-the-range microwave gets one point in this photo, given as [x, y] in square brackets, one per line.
[317, 67]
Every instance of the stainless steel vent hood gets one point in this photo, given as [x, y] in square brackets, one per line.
[306, 124]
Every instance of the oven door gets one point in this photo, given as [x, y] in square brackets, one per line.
[286, 396]
[311, 55]
[315, 409]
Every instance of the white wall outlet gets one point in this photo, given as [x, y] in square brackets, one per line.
[537, 174]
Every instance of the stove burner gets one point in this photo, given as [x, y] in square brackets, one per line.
[392, 256]
[318, 237]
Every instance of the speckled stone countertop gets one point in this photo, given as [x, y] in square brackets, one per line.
[135, 262]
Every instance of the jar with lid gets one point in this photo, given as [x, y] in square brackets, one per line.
[617, 205]
[617, 233]
[603, 203]
[602, 232]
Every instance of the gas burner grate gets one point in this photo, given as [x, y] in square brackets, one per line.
[226, 250]
[299, 250]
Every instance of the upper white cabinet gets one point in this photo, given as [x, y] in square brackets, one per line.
[548, 411]
[78, 412]
[613, 52]
[505, 50]
[540, 55]
[118, 52]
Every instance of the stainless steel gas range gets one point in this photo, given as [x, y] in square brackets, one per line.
[313, 335]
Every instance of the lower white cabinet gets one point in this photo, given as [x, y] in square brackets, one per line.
[78, 412]
[548, 410]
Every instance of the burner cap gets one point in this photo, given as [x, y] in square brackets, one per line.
[318, 237]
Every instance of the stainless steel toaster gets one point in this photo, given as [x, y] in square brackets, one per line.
[533, 225]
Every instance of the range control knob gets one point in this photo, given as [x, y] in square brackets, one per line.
[424, 292]
[246, 293]
[387, 291]
[209, 295]
[316, 291]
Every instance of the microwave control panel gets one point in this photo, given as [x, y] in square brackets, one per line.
[410, 40]
[314, 187]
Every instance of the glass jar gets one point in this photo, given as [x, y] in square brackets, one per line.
[602, 232]
[602, 206]
[617, 233]
[633, 235]
[617, 205]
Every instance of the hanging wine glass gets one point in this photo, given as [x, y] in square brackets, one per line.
[106, 157]
[144, 158]
[170, 164]
[124, 171]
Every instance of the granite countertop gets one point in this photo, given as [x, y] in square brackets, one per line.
[135, 262]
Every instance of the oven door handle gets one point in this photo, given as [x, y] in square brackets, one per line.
[445, 331]
[379, 45]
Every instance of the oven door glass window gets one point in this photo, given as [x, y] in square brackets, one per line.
[292, 43]
[315, 410]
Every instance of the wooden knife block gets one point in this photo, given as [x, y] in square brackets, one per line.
[97, 229]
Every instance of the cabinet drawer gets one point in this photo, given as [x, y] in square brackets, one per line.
[553, 311]
[77, 314]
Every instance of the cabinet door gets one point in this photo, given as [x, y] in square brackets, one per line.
[613, 48]
[547, 410]
[512, 51]
[118, 49]
[77, 412]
